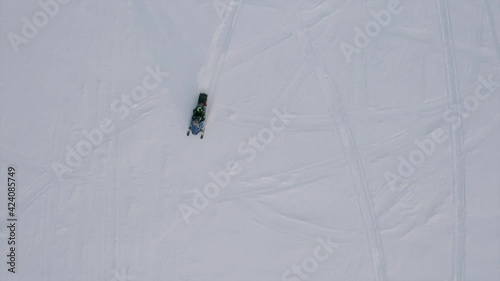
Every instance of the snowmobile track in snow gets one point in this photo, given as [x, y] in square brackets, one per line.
[279, 34]
[493, 31]
[218, 50]
[339, 116]
[456, 139]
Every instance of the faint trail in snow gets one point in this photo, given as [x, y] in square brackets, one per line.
[257, 46]
[32, 193]
[491, 22]
[265, 185]
[474, 65]
[424, 214]
[276, 5]
[45, 181]
[456, 139]
[46, 252]
[209, 73]
[115, 145]
[389, 201]
[263, 3]
[273, 220]
[337, 112]
[302, 123]
[279, 34]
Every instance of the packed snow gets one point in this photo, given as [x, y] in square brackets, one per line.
[345, 140]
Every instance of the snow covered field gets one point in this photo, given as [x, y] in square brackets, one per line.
[345, 140]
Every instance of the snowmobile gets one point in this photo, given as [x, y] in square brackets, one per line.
[198, 118]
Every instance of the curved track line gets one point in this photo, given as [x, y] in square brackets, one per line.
[279, 34]
[458, 166]
[274, 221]
[338, 114]
[220, 43]
[385, 204]
[491, 22]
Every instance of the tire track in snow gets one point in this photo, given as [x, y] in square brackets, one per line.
[456, 139]
[491, 22]
[387, 202]
[419, 218]
[209, 73]
[48, 178]
[279, 34]
[273, 220]
[337, 113]
[46, 249]
[475, 40]
[264, 185]
[114, 149]
[308, 123]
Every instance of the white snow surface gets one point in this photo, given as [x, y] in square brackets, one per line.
[309, 197]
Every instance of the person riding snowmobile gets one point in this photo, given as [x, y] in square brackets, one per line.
[199, 113]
